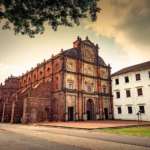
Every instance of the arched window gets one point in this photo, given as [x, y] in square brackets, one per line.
[24, 81]
[29, 79]
[34, 77]
[41, 72]
[56, 78]
[48, 69]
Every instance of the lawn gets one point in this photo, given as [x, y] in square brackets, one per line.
[134, 131]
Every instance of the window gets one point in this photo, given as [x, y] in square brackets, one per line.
[139, 92]
[41, 72]
[34, 76]
[117, 94]
[70, 84]
[104, 89]
[126, 79]
[70, 66]
[128, 93]
[119, 110]
[138, 77]
[48, 69]
[142, 109]
[90, 69]
[56, 66]
[129, 110]
[117, 81]
[89, 88]
[24, 81]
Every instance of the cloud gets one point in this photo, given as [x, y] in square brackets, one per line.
[136, 24]
[127, 22]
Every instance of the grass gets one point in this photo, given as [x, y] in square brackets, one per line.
[133, 131]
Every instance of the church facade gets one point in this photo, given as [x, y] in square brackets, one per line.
[73, 85]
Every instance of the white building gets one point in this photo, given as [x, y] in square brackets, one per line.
[131, 92]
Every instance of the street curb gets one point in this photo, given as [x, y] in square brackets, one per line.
[67, 127]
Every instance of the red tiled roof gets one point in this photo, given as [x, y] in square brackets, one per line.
[138, 67]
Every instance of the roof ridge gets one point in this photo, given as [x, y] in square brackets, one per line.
[133, 68]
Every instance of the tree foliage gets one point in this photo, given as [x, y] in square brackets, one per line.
[30, 16]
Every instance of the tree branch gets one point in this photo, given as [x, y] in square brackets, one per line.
[1, 14]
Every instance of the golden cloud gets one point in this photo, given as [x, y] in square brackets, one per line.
[127, 22]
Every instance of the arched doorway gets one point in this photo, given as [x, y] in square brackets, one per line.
[90, 109]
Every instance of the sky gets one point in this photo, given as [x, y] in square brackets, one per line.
[122, 31]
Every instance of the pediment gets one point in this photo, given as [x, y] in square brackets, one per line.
[88, 51]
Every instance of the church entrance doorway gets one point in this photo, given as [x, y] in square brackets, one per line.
[70, 114]
[106, 113]
[90, 109]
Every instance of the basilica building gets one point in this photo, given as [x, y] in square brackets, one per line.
[73, 85]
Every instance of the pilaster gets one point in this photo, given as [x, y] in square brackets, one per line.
[3, 114]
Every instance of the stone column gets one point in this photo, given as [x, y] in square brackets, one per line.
[85, 110]
[12, 112]
[97, 109]
[13, 108]
[24, 116]
[102, 107]
[66, 117]
[3, 114]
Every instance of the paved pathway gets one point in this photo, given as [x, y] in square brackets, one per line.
[28, 137]
[95, 124]
[99, 135]
[15, 141]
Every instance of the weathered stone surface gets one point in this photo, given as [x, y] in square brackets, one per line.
[73, 85]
